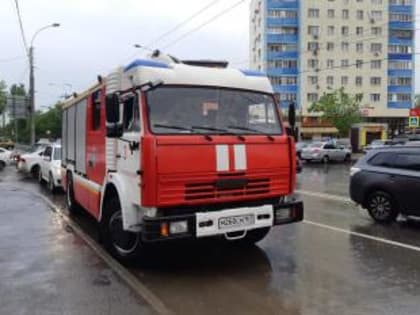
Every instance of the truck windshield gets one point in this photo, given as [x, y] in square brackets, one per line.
[198, 110]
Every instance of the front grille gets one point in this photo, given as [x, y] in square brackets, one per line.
[209, 190]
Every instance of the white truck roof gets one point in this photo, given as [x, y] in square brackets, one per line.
[142, 71]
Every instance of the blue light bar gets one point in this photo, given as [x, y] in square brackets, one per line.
[145, 63]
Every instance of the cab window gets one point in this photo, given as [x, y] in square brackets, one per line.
[131, 118]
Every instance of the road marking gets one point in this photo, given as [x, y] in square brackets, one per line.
[119, 269]
[324, 196]
[366, 236]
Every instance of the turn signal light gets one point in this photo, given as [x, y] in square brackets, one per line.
[164, 229]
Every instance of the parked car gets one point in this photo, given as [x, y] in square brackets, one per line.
[325, 152]
[299, 147]
[386, 182]
[50, 171]
[30, 162]
[4, 158]
[6, 143]
[377, 144]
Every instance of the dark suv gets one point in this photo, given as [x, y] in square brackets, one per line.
[386, 182]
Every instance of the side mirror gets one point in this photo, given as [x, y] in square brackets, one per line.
[114, 127]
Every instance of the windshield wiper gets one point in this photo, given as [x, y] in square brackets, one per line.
[251, 130]
[210, 128]
[171, 127]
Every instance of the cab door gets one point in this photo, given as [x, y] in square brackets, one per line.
[129, 146]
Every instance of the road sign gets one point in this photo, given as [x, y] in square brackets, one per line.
[17, 106]
[413, 122]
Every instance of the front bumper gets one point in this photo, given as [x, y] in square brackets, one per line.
[207, 224]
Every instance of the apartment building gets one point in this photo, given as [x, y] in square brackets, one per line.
[311, 47]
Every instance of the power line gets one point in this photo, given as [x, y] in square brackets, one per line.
[22, 32]
[178, 26]
[204, 24]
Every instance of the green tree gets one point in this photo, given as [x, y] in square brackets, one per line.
[339, 109]
[48, 124]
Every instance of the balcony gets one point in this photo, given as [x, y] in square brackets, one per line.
[282, 54]
[271, 21]
[285, 88]
[392, 56]
[281, 38]
[285, 104]
[273, 4]
[401, 9]
[401, 25]
[400, 89]
[400, 41]
[400, 73]
[281, 71]
[399, 105]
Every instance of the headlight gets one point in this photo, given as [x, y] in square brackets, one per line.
[58, 170]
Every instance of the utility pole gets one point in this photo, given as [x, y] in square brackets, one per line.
[31, 95]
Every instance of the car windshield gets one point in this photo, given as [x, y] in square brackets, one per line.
[193, 110]
[57, 154]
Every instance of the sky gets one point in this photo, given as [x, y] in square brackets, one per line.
[96, 36]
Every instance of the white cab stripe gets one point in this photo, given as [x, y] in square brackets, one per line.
[222, 157]
[87, 182]
[240, 157]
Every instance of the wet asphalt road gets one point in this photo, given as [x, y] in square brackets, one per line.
[314, 267]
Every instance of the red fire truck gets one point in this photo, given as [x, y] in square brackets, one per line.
[162, 150]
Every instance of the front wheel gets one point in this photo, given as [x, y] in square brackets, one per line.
[35, 170]
[125, 246]
[70, 200]
[382, 207]
[347, 158]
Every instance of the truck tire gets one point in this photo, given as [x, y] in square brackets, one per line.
[71, 202]
[123, 245]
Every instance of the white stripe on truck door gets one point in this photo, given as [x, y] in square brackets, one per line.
[239, 151]
[222, 157]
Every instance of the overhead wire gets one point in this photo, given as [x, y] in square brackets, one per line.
[22, 32]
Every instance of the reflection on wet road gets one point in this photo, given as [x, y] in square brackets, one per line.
[297, 269]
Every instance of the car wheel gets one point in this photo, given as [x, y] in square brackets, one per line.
[125, 246]
[347, 158]
[72, 205]
[51, 185]
[2, 165]
[325, 159]
[35, 171]
[382, 207]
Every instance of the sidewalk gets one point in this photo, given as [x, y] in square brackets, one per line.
[47, 269]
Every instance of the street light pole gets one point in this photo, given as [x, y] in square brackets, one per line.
[32, 82]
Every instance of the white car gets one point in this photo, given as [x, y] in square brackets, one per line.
[30, 163]
[325, 152]
[50, 171]
[4, 158]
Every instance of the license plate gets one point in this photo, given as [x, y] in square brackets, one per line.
[236, 221]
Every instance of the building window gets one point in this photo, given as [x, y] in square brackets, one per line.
[399, 81]
[376, 30]
[376, 1]
[399, 97]
[313, 30]
[313, 63]
[375, 97]
[330, 13]
[376, 15]
[375, 47]
[344, 46]
[344, 80]
[400, 2]
[330, 46]
[359, 81]
[282, 47]
[345, 14]
[359, 30]
[375, 81]
[282, 13]
[400, 65]
[359, 64]
[313, 80]
[399, 49]
[282, 63]
[287, 97]
[330, 30]
[375, 64]
[330, 63]
[313, 13]
[402, 34]
[330, 80]
[359, 14]
[344, 63]
[312, 46]
[282, 30]
[359, 47]
[345, 30]
[400, 17]
[312, 97]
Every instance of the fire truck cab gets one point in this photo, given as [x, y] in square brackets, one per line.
[160, 150]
